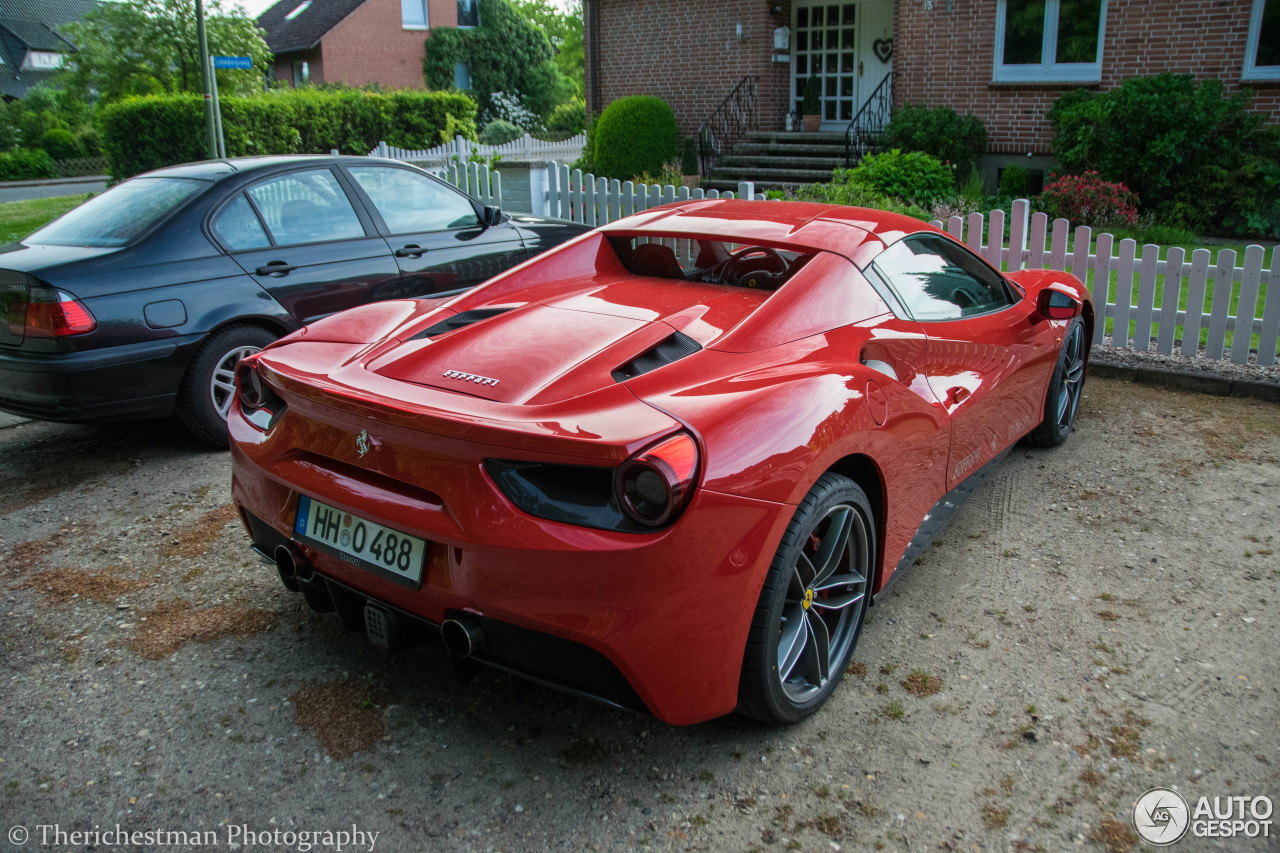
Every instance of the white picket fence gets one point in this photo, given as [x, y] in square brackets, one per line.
[1031, 243]
[596, 201]
[460, 150]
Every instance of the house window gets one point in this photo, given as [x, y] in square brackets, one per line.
[462, 76]
[42, 59]
[1053, 40]
[1262, 53]
[468, 13]
[301, 72]
[298, 11]
[413, 14]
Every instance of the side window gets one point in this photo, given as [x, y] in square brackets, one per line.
[937, 279]
[410, 202]
[238, 227]
[306, 207]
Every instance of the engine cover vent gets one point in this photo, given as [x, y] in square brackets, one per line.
[457, 321]
[670, 349]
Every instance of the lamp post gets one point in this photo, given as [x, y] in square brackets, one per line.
[205, 73]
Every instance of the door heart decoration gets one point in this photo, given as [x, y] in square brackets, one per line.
[883, 49]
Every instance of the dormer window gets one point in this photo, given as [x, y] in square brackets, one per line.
[42, 59]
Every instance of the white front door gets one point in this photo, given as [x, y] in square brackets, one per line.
[848, 46]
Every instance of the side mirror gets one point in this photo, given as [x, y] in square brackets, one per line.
[491, 215]
[1055, 302]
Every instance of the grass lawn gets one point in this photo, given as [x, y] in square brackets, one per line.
[20, 218]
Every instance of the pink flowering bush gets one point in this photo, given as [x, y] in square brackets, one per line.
[1089, 200]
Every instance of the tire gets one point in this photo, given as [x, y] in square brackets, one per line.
[1062, 402]
[209, 385]
[787, 673]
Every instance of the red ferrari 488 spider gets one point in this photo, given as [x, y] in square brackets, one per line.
[667, 465]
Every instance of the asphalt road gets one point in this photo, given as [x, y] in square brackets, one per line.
[9, 192]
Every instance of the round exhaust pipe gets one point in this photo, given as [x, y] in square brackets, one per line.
[292, 565]
[462, 636]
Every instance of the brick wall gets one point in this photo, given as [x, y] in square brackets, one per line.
[688, 54]
[946, 58]
[370, 46]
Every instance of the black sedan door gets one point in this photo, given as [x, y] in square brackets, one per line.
[303, 240]
[435, 231]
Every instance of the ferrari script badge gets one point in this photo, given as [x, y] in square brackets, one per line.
[470, 377]
[363, 442]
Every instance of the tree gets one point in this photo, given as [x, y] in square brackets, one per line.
[507, 53]
[144, 47]
[563, 28]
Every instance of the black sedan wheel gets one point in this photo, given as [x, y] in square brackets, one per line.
[812, 606]
[210, 386]
[1062, 401]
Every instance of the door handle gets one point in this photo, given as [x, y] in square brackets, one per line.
[276, 268]
[957, 395]
[410, 251]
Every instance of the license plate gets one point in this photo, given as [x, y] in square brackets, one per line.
[361, 542]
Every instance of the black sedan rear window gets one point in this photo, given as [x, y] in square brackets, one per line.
[119, 215]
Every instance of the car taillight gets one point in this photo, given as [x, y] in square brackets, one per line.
[260, 404]
[49, 313]
[654, 486]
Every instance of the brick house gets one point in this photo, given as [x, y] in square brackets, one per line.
[1002, 60]
[359, 42]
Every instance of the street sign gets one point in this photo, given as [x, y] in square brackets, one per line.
[232, 62]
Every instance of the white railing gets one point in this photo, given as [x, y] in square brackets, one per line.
[1031, 243]
[460, 150]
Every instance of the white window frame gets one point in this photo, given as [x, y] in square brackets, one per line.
[1253, 71]
[43, 60]
[426, 16]
[1049, 70]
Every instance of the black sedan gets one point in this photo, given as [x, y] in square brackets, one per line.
[140, 302]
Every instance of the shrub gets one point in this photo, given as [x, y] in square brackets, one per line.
[688, 156]
[1163, 136]
[1015, 182]
[60, 144]
[509, 107]
[812, 103]
[940, 132]
[139, 134]
[25, 164]
[1089, 200]
[843, 190]
[911, 176]
[567, 119]
[499, 132]
[636, 134]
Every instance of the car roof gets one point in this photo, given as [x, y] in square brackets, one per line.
[212, 170]
[854, 232]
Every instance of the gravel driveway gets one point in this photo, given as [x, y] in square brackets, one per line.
[1097, 621]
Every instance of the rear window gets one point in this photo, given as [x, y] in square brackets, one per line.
[119, 215]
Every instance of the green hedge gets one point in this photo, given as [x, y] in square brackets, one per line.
[635, 135]
[25, 164]
[140, 134]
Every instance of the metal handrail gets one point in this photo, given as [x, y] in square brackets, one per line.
[727, 124]
[868, 124]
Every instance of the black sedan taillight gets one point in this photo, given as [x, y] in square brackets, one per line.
[49, 313]
[646, 492]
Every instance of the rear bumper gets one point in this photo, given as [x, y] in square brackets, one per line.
[668, 611]
[124, 382]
